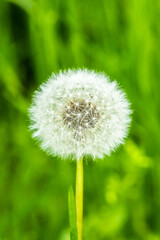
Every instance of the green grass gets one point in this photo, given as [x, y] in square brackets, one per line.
[121, 193]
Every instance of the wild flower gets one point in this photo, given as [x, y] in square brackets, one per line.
[80, 112]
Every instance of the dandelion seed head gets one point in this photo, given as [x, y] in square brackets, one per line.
[80, 112]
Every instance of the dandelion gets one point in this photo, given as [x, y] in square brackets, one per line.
[78, 113]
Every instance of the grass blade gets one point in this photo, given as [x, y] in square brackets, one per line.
[72, 215]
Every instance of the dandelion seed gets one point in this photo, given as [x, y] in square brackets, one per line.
[80, 112]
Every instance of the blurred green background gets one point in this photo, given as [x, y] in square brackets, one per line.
[122, 192]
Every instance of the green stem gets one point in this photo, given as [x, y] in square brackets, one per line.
[79, 196]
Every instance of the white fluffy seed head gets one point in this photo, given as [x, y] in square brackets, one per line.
[80, 112]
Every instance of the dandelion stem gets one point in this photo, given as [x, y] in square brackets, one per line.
[79, 196]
